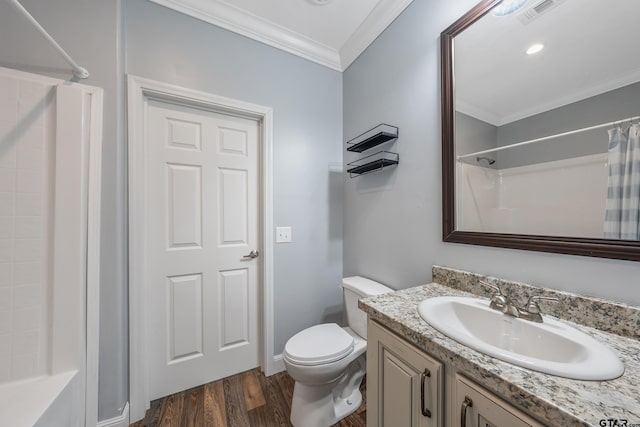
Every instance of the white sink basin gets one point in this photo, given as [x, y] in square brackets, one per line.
[551, 347]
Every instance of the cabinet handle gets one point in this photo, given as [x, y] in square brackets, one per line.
[425, 411]
[468, 403]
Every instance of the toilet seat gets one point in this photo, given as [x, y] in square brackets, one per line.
[318, 345]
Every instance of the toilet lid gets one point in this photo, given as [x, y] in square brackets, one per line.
[319, 344]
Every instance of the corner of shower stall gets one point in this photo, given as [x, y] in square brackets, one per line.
[50, 136]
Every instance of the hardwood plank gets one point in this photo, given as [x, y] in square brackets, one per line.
[215, 412]
[152, 415]
[171, 410]
[260, 416]
[286, 384]
[193, 408]
[245, 400]
[234, 400]
[279, 409]
[253, 396]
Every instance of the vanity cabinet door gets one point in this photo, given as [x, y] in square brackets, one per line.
[476, 407]
[404, 384]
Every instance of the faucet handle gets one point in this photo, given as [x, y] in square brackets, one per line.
[498, 300]
[491, 286]
[532, 305]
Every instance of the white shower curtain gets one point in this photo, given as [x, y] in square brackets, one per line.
[623, 195]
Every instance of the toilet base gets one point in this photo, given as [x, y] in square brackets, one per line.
[316, 406]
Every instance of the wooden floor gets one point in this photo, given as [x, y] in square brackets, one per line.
[245, 400]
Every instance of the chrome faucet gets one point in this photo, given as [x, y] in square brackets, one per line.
[532, 310]
[503, 303]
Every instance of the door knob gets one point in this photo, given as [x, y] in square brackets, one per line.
[252, 255]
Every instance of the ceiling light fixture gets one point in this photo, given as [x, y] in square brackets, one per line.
[320, 2]
[508, 7]
[535, 48]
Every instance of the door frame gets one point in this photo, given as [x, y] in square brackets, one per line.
[140, 92]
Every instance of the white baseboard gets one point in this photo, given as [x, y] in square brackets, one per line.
[120, 421]
[278, 364]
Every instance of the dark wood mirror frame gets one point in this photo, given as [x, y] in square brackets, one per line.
[602, 248]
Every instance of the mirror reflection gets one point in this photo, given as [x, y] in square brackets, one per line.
[547, 120]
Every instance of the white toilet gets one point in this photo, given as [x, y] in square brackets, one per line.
[328, 362]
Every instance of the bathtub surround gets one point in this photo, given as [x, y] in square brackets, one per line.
[89, 31]
[50, 157]
[554, 400]
[499, 200]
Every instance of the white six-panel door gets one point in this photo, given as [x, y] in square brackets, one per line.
[202, 204]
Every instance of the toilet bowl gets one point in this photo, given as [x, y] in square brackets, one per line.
[328, 362]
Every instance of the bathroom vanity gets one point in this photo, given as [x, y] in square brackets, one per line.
[417, 376]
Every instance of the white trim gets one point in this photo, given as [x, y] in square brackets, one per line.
[94, 197]
[494, 119]
[249, 25]
[278, 365]
[385, 12]
[121, 420]
[242, 22]
[140, 89]
[477, 112]
[581, 95]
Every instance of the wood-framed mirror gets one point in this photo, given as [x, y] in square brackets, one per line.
[540, 109]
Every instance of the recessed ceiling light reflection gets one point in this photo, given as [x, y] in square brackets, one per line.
[507, 7]
[535, 48]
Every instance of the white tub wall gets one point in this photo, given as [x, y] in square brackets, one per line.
[582, 180]
[510, 201]
[60, 412]
[26, 152]
[48, 166]
[48, 401]
[477, 197]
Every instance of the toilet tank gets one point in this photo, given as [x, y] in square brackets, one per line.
[354, 288]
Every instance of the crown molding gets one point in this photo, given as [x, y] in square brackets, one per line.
[239, 21]
[479, 113]
[385, 12]
[599, 89]
[476, 112]
[247, 24]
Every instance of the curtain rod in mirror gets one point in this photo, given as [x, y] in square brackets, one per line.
[546, 138]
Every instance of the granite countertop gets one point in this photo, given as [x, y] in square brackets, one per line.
[554, 400]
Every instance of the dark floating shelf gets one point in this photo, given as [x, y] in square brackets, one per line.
[371, 166]
[373, 163]
[373, 137]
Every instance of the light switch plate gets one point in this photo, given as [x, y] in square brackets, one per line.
[283, 234]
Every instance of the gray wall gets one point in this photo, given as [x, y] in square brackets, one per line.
[393, 220]
[88, 31]
[607, 107]
[307, 105]
[473, 135]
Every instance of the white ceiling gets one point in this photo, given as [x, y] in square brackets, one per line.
[591, 47]
[333, 34]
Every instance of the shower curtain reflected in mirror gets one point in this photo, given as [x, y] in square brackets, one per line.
[623, 193]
